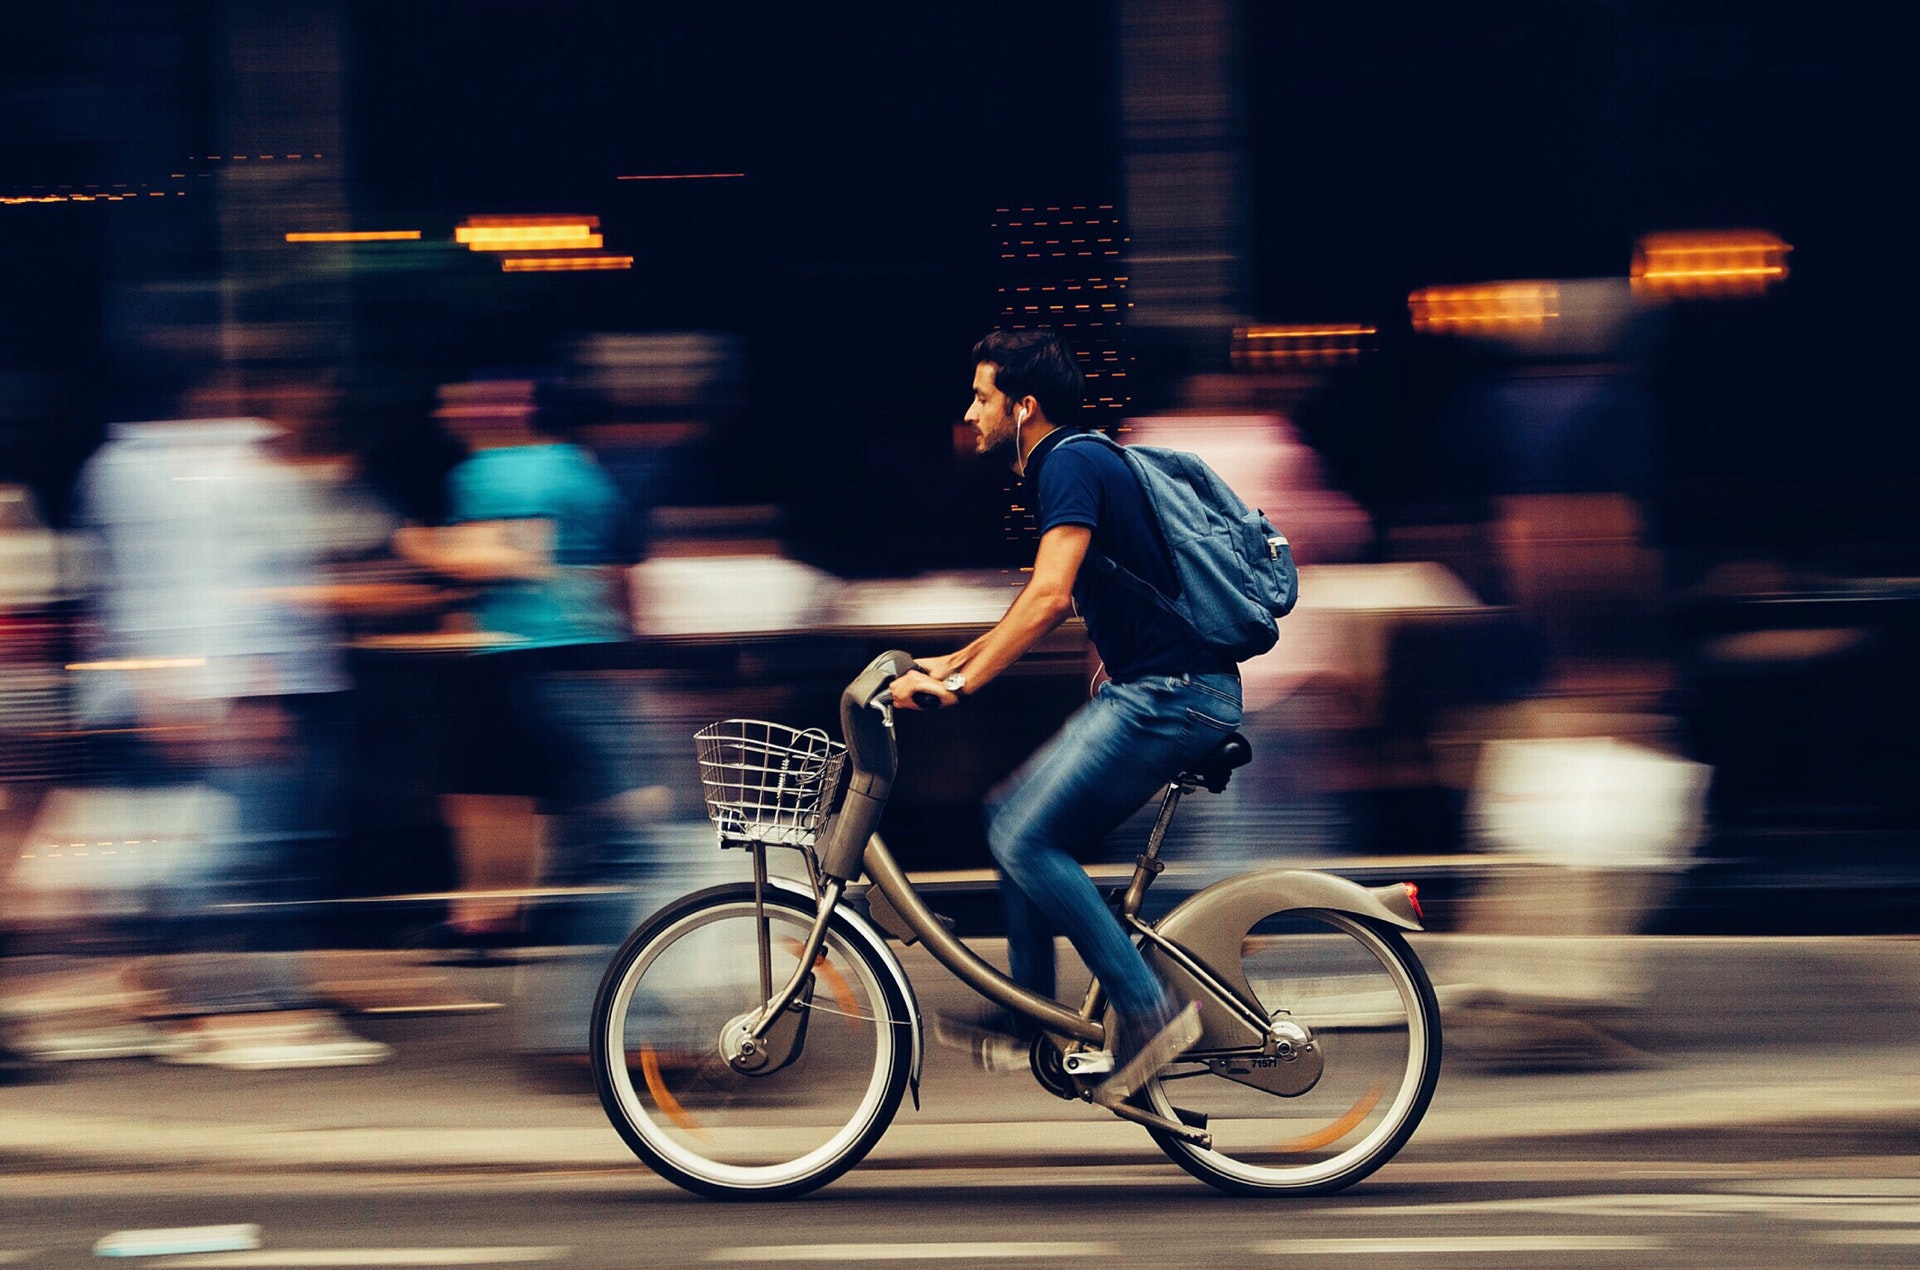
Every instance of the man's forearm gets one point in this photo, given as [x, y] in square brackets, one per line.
[1035, 613]
[1042, 604]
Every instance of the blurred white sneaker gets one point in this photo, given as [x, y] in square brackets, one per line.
[272, 1042]
[992, 1050]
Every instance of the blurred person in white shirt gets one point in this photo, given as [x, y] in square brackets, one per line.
[210, 664]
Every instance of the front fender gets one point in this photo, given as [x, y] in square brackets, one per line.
[877, 945]
[1212, 925]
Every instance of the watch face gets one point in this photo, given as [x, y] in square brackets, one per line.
[954, 682]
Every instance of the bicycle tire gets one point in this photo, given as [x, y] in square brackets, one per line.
[1357, 986]
[708, 1128]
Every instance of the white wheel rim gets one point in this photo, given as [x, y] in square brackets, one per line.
[1418, 1043]
[741, 1176]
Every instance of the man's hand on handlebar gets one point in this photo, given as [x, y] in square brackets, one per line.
[921, 687]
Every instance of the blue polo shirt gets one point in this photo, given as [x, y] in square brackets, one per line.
[1089, 484]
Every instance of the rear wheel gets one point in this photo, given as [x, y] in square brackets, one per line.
[837, 1069]
[1358, 990]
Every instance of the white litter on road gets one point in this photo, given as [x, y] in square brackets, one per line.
[321, 1257]
[167, 1240]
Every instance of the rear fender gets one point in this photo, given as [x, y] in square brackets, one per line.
[1212, 926]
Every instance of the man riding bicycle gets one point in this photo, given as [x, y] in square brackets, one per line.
[1167, 700]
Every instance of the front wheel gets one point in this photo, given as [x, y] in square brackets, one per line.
[1358, 990]
[782, 1130]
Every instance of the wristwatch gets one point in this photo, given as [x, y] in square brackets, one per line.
[954, 683]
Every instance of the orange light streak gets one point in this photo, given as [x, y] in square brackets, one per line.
[1709, 262]
[357, 236]
[511, 222]
[1304, 332]
[1485, 308]
[528, 233]
[531, 242]
[684, 176]
[556, 264]
[1297, 344]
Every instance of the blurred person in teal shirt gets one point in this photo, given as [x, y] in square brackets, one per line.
[541, 530]
[569, 591]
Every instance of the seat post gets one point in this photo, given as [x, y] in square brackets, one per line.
[1148, 866]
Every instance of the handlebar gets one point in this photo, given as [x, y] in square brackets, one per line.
[871, 756]
[883, 700]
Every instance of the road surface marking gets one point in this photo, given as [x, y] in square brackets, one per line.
[1432, 1244]
[10, 1255]
[167, 1240]
[910, 1252]
[1702, 1204]
[322, 1257]
[1854, 1209]
[1891, 1187]
[1019, 1177]
[1900, 1238]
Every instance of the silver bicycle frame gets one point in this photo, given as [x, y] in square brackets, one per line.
[1192, 946]
[966, 964]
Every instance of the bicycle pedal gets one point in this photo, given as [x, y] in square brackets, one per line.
[1088, 1063]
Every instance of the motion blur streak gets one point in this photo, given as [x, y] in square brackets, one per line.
[1259, 347]
[552, 264]
[508, 233]
[1709, 262]
[1490, 306]
[357, 236]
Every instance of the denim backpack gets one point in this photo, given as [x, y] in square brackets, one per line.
[1235, 570]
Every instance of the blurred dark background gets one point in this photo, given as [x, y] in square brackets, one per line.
[850, 190]
[1385, 148]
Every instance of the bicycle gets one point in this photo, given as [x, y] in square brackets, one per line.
[754, 1040]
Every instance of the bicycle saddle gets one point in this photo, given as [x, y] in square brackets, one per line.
[1214, 770]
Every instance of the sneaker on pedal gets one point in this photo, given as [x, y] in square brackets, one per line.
[1143, 1050]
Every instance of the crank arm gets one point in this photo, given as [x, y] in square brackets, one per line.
[1186, 1133]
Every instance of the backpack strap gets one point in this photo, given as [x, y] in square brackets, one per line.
[1112, 568]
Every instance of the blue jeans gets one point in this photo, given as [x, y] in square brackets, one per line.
[1116, 752]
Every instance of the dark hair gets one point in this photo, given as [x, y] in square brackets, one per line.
[1036, 364]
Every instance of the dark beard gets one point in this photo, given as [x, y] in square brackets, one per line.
[1009, 446]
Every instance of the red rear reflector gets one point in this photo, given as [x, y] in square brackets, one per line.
[1413, 898]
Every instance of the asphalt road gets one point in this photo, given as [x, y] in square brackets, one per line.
[1736, 1202]
[1669, 1176]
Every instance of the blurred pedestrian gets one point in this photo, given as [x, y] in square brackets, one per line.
[540, 529]
[1294, 698]
[30, 707]
[211, 668]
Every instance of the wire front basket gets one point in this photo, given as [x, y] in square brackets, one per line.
[766, 782]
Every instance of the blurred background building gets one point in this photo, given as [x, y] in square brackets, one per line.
[1588, 310]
